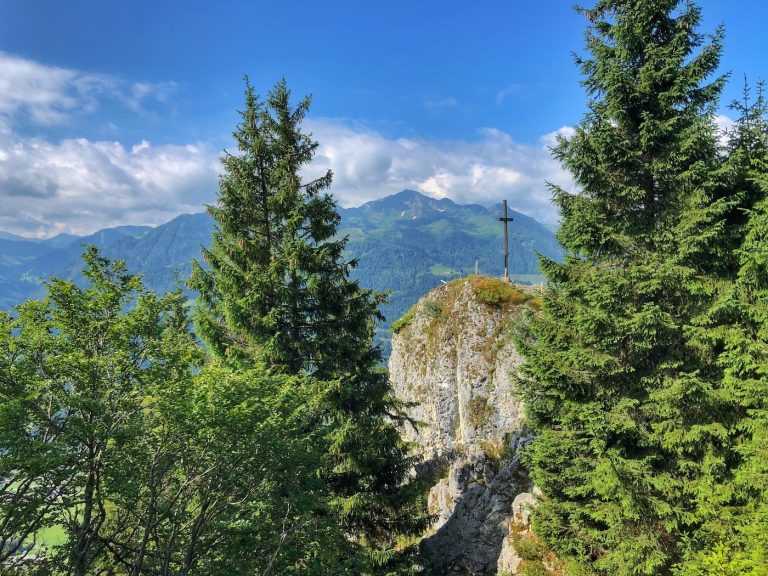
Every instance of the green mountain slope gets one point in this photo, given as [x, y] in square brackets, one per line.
[408, 243]
[405, 244]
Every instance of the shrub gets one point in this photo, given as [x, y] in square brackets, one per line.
[529, 547]
[535, 302]
[403, 321]
[533, 568]
[433, 309]
[495, 292]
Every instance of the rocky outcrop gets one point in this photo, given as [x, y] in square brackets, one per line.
[518, 526]
[473, 507]
[454, 365]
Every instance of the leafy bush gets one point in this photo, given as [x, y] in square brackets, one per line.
[535, 302]
[495, 292]
[533, 568]
[529, 547]
[404, 321]
[433, 309]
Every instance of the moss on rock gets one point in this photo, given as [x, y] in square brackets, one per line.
[480, 411]
[404, 321]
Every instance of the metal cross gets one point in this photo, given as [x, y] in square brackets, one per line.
[506, 220]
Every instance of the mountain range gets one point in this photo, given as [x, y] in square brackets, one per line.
[406, 244]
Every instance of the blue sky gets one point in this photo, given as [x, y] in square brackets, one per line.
[454, 98]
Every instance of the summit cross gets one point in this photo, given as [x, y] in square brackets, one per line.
[506, 220]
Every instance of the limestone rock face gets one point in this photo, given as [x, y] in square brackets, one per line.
[454, 364]
[454, 360]
[473, 507]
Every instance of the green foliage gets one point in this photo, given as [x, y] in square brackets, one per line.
[734, 534]
[533, 568]
[276, 289]
[529, 547]
[495, 292]
[622, 379]
[74, 372]
[404, 321]
[646, 366]
[430, 308]
[123, 452]
[433, 309]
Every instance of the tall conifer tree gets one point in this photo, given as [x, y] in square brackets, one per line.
[734, 536]
[625, 403]
[276, 290]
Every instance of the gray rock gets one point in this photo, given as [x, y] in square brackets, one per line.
[454, 365]
[521, 508]
[509, 560]
[473, 506]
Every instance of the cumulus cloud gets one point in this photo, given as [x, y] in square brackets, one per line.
[724, 126]
[45, 94]
[49, 95]
[79, 185]
[485, 170]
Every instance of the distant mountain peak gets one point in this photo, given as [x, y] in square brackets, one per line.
[408, 204]
[409, 194]
[406, 244]
[14, 237]
[402, 197]
[406, 193]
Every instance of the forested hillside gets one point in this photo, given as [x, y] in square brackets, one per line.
[405, 245]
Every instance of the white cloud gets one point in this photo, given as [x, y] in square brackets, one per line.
[724, 125]
[139, 93]
[551, 139]
[367, 165]
[49, 95]
[46, 94]
[723, 122]
[80, 185]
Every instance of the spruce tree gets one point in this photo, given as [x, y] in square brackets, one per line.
[623, 397]
[734, 535]
[276, 289]
[751, 384]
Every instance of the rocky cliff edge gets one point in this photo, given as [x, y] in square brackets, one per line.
[454, 366]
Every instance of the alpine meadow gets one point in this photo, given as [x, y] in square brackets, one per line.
[321, 345]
